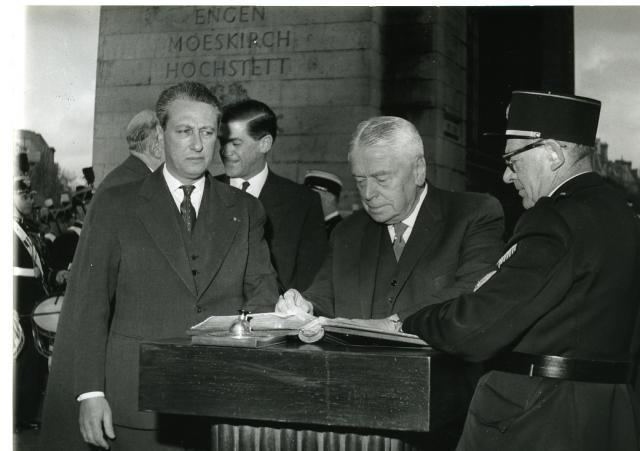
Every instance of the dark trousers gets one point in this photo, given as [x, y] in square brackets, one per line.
[30, 367]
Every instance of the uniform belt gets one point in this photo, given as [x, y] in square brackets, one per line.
[556, 367]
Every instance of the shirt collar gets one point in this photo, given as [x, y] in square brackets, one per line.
[332, 215]
[411, 219]
[175, 184]
[256, 183]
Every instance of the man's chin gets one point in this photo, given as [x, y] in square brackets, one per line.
[377, 215]
[232, 170]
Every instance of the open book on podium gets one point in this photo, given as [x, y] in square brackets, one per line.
[270, 328]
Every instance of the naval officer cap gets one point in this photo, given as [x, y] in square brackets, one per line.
[542, 115]
[325, 181]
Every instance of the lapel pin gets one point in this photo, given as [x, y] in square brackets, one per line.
[235, 219]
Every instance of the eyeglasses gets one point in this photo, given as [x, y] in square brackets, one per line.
[507, 156]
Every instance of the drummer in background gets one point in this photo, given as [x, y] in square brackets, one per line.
[30, 370]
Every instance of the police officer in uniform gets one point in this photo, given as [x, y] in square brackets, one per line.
[555, 321]
[30, 367]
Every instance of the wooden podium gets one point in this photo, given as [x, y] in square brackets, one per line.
[296, 396]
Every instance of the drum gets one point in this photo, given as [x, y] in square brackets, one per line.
[45, 322]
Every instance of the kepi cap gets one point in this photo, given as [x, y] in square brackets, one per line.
[325, 181]
[542, 115]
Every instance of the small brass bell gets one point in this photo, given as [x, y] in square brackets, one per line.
[240, 327]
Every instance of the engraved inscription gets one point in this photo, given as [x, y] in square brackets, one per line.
[228, 14]
[231, 67]
[230, 40]
[235, 41]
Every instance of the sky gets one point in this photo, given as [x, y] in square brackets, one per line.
[60, 61]
[61, 51]
[607, 56]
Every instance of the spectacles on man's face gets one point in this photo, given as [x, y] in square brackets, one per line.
[507, 156]
[26, 196]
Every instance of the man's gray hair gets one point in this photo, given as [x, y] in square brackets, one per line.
[391, 132]
[141, 126]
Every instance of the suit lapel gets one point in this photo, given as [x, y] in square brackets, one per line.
[157, 213]
[425, 234]
[271, 195]
[369, 254]
[221, 224]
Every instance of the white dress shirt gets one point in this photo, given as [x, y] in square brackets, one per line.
[410, 220]
[178, 195]
[256, 183]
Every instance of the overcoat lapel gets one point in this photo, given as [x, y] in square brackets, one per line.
[221, 225]
[426, 233]
[369, 254]
[157, 211]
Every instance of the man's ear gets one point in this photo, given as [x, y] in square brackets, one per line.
[157, 148]
[420, 171]
[555, 153]
[265, 144]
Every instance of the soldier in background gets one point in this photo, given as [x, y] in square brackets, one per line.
[328, 186]
[30, 370]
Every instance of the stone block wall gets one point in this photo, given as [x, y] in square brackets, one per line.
[321, 69]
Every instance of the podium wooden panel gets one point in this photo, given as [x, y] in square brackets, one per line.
[354, 390]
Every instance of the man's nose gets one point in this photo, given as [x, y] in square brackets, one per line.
[196, 142]
[509, 176]
[370, 190]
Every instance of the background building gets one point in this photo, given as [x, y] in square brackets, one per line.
[449, 70]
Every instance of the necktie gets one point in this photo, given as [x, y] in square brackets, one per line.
[187, 211]
[398, 242]
[245, 186]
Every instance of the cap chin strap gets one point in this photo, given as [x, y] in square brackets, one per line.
[525, 134]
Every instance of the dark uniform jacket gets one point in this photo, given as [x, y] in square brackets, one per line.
[129, 170]
[294, 230]
[30, 369]
[134, 249]
[567, 286]
[455, 241]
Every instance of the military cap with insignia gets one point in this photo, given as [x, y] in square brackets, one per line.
[325, 181]
[542, 115]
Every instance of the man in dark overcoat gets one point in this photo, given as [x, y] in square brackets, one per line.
[146, 151]
[412, 245]
[158, 256]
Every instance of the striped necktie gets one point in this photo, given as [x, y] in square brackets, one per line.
[398, 242]
[187, 211]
